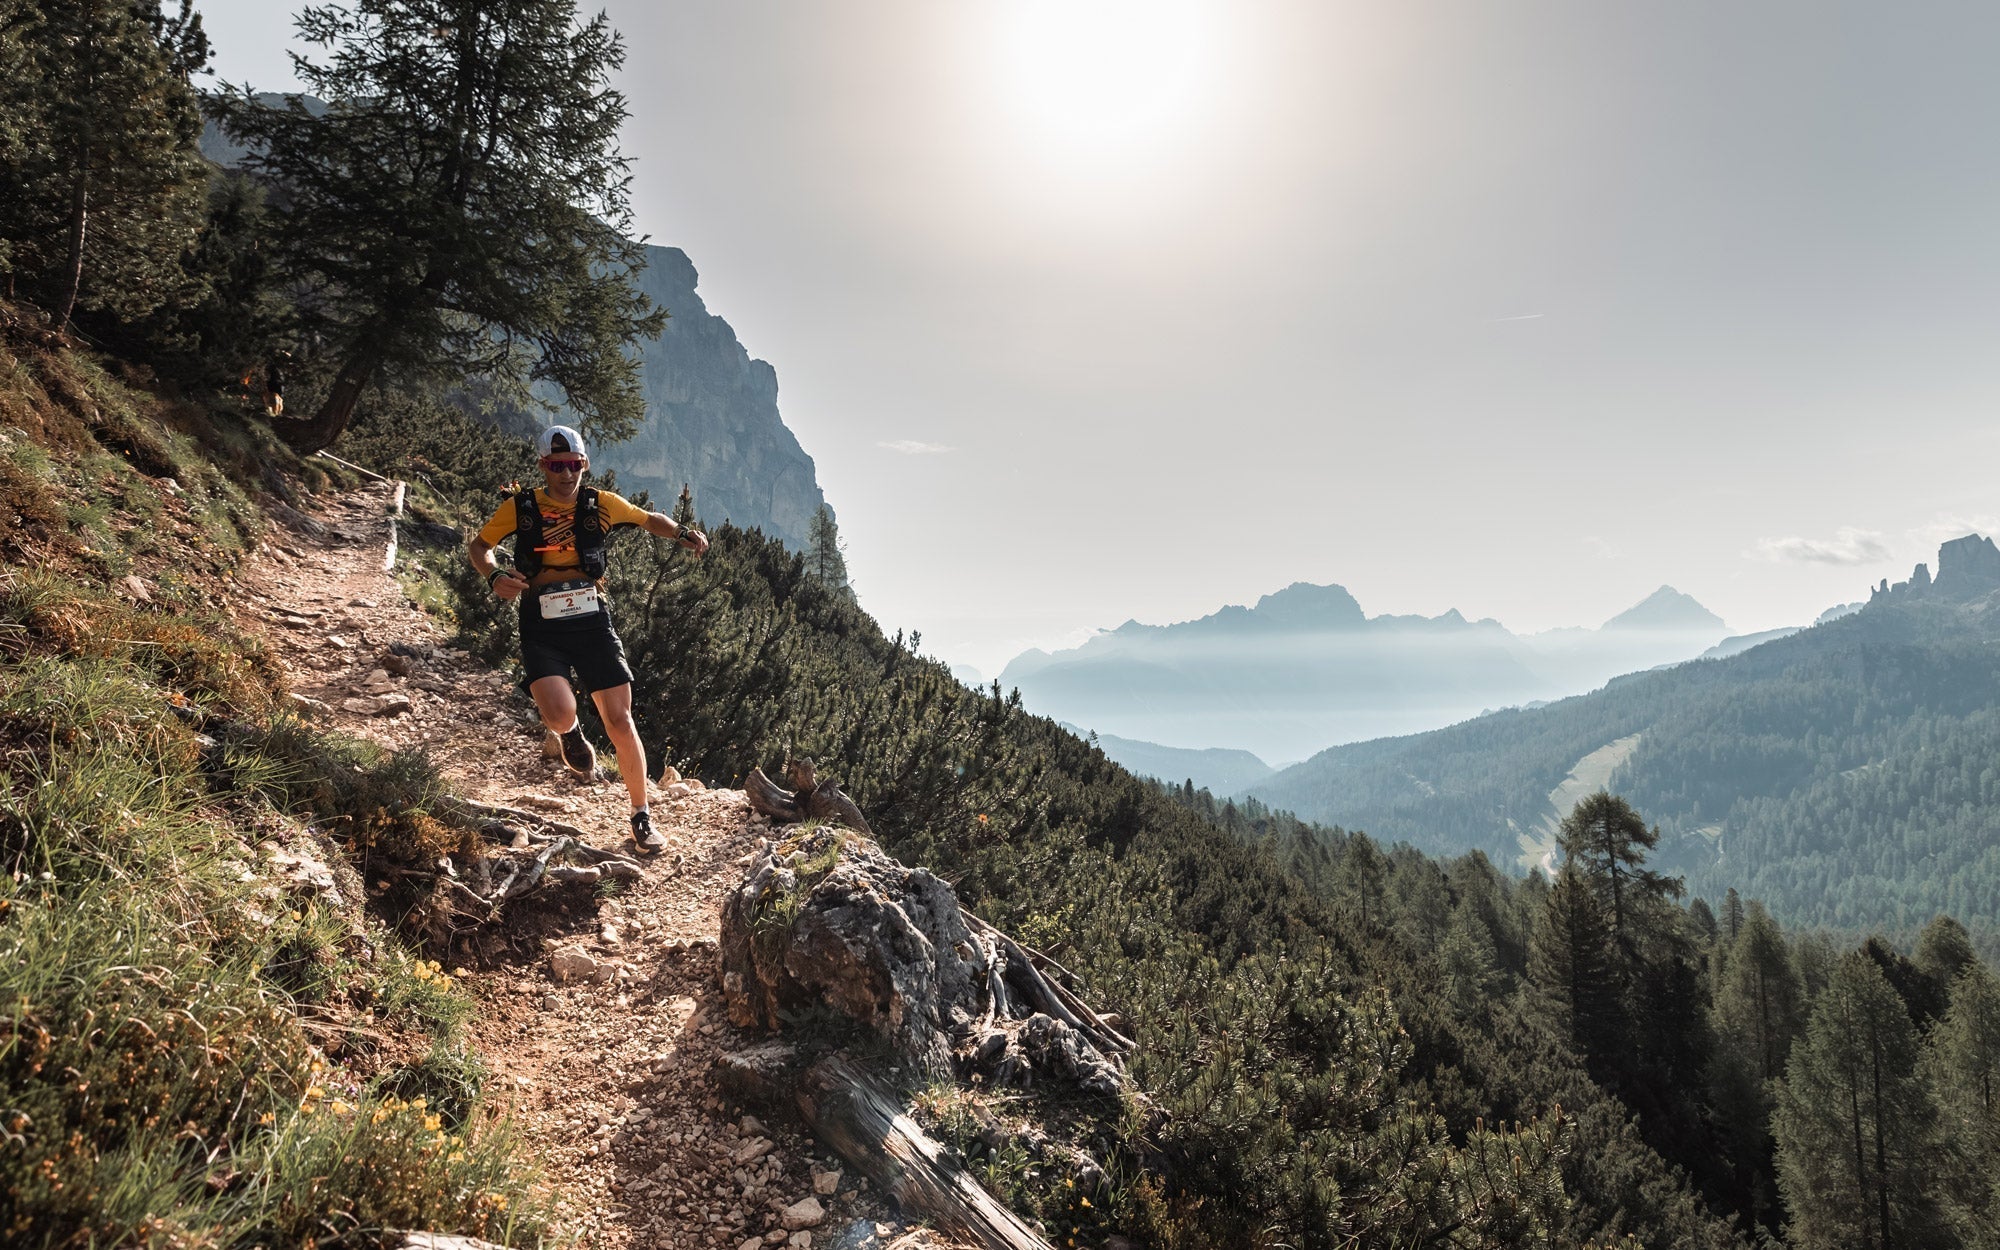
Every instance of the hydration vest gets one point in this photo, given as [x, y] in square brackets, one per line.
[589, 533]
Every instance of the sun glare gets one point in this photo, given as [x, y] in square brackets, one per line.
[1105, 78]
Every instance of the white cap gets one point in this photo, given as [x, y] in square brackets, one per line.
[560, 440]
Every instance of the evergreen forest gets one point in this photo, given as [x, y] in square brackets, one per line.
[1345, 1038]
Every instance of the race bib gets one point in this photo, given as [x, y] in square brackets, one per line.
[571, 599]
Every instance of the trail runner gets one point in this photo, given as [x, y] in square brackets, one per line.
[558, 576]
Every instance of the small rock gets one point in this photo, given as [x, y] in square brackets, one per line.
[751, 1125]
[752, 1243]
[751, 1151]
[134, 588]
[801, 1240]
[678, 790]
[569, 964]
[308, 706]
[335, 640]
[805, 1213]
[825, 1182]
[551, 1001]
[669, 774]
[400, 665]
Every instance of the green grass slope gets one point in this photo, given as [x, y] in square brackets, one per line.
[195, 1049]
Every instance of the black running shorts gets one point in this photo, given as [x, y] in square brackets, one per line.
[590, 646]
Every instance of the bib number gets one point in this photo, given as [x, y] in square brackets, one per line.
[565, 602]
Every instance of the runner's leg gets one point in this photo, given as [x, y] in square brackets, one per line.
[614, 707]
[556, 702]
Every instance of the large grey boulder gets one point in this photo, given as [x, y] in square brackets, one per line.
[829, 920]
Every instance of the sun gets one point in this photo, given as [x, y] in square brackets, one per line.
[1101, 78]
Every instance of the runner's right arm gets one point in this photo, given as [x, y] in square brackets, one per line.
[507, 584]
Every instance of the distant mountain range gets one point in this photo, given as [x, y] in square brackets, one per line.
[1218, 770]
[1306, 668]
[1848, 774]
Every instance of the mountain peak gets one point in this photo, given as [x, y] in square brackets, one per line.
[1304, 605]
[1668, 609]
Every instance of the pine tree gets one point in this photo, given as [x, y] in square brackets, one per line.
[459, 207]
[102, 185]
[1855, 1124]
[826, 559]
[684, 508]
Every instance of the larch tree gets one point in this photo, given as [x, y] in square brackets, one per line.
[1732, 915]
[1944, 949]
[459, 208]
[1855, 1124]
[102, 184]
[1608, 841]
[826, 557]
[1570, 961]
[1759, 1004]
[1962, 1058]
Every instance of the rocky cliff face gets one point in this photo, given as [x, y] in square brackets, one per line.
[712, 419]
[1968, 568]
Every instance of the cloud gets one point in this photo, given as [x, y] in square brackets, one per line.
[1949, 525]
[1847, 546]
[1521, 317]
[911, 447]
[1600, 547]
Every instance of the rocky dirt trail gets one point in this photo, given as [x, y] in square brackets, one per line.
[609, 1064]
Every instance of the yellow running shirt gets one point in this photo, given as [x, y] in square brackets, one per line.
[559, 525]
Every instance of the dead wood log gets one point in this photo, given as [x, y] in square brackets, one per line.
[862, 1119]
[1049, 996]
[442, 1241]
[809, 798]
[481, 815]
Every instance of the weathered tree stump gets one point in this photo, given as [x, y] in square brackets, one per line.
[808, 799]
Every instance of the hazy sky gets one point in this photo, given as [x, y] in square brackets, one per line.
[1097, 309]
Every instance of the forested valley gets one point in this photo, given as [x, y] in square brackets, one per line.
[1845, 774]
[1343, 1038]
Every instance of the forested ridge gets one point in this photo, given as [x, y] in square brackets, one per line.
[1846, 774]
[1342, 1041]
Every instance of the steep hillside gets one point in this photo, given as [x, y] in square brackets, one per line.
[1843, 774]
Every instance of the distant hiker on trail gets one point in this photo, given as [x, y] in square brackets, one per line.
[274, 383]
[558, 576]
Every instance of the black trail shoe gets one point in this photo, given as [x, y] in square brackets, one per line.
[647, 838]
[577, 752]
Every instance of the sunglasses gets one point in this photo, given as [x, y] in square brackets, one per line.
[563, 466]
